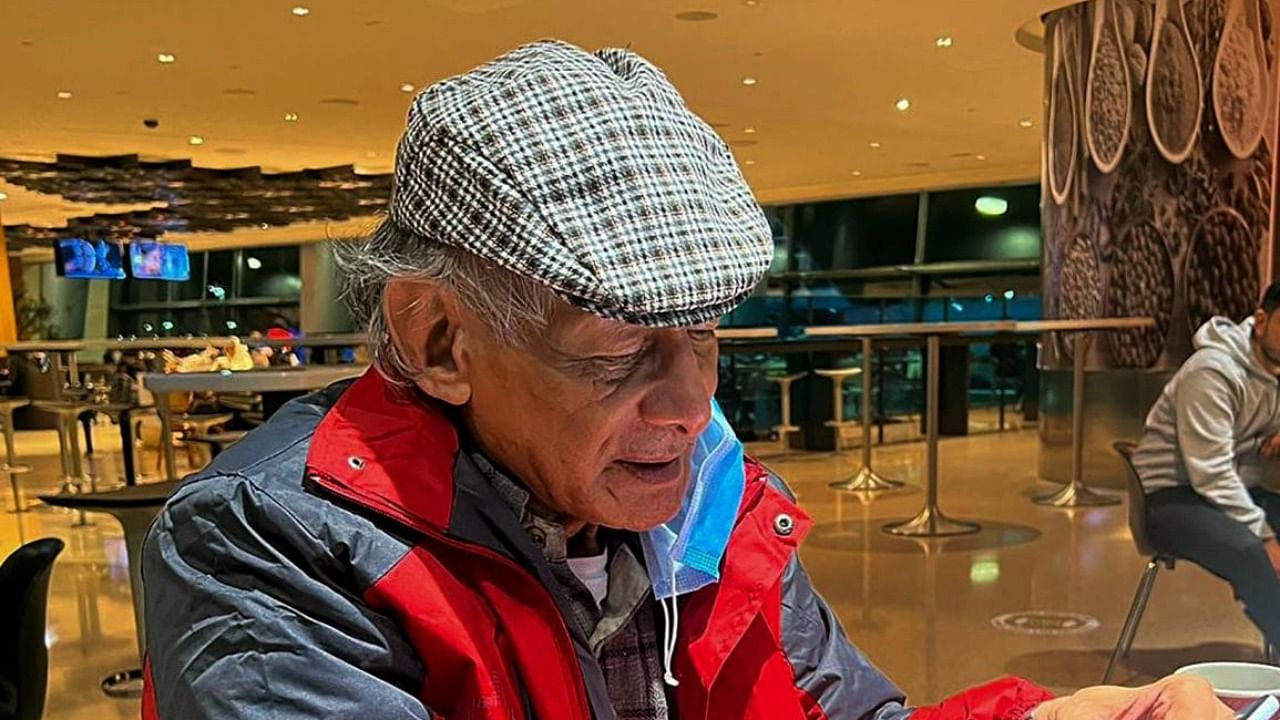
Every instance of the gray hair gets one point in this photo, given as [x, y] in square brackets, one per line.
[513, 308]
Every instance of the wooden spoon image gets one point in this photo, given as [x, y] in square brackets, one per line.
[1175, 97]
[1064, 137]
[1240, 88]
[1108, 93]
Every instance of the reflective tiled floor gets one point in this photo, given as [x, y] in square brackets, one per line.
[921, 610]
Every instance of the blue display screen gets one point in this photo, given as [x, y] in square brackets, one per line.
[90, 260]
[150, 260]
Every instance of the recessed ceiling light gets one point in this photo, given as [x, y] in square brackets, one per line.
[751, 3]
[903, 104]
[751, 162]
[748, 80]
[943, 41]
[291, 117]
[253, 263]
[195, 140]
[856, 173]
[1025, 122]
[988, 206]
[749, 131]
[407, 88]
[64, 95]
[301, 11]
[875, 145]
[371, 154]
[696, 15]
[4, 196]
[980, 157]
[166, 58]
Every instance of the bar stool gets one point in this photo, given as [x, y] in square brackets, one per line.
[10, 468]
[837, 422]
[68, 413]
[785, 429]
[866, 479]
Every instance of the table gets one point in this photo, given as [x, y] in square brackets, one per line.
[135, 507]
[293, 380]
[930, 521]
[1075, 493]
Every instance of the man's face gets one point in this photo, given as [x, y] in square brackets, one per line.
[597, 418]
[1266, 332]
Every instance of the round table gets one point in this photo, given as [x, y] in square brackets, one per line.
[135, 507]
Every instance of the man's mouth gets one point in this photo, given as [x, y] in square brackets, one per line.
[655, 471]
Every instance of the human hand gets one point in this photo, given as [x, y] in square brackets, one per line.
[1178, 697]
[1270, 447]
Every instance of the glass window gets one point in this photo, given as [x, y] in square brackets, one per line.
[854, 234]
[270, 272]
[984, 224]
[193, 289]
[221, 274]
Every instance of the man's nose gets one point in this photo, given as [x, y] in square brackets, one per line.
[680, 398]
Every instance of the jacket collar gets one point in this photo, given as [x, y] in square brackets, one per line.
[385, 447]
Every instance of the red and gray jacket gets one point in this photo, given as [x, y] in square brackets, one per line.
[347, 561]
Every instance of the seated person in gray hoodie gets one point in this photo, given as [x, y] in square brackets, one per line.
[1201, 459]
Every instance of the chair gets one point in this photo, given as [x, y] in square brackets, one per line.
[1155, 558]
[24, 658]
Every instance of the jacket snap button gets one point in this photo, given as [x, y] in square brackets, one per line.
[539, 537]
[783, 524]
[356, 463]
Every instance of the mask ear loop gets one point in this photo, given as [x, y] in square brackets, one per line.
[670, 628]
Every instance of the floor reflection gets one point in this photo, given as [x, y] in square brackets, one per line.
[921, 610]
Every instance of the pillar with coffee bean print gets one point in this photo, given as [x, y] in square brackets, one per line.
[1159, 189]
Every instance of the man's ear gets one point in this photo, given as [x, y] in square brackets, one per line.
[1259, 322]
[424, 321]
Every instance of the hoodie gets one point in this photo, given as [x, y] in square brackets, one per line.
[1207, 427]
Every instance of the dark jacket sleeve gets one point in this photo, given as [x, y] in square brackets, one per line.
[254, 610]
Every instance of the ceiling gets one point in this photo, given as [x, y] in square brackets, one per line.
[829, 74]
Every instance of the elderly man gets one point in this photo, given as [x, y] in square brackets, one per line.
[532, 508]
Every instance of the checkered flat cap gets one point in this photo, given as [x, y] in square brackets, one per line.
[586, 172]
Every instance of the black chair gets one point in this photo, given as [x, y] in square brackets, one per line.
[24, 658]
[1155, 558]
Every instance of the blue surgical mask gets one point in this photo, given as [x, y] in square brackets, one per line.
[684, 554]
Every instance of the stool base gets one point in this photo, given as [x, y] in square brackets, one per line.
[124, 684]
[1075, 495]
[866, 480]
[931, 523]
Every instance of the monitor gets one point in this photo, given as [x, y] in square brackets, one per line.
[150, 260]
[89, 260]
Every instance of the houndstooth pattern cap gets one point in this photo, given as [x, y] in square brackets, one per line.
[586, 172]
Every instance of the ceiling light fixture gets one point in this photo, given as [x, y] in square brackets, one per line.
[301, 11]
[875, 145]
[749, 131]
[371, 154]
[748, 80]
[64, 95]
[407, 88]
[1025, 122]
[856, 173]
[943, 41]
[253, 263]
[195, 140]
[989, 206]
[291, 117]
[751, 3]
[903, 104]
[166, 58]
[980, 157]
[751, 162]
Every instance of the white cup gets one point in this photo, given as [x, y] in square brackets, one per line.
[1237, 680]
